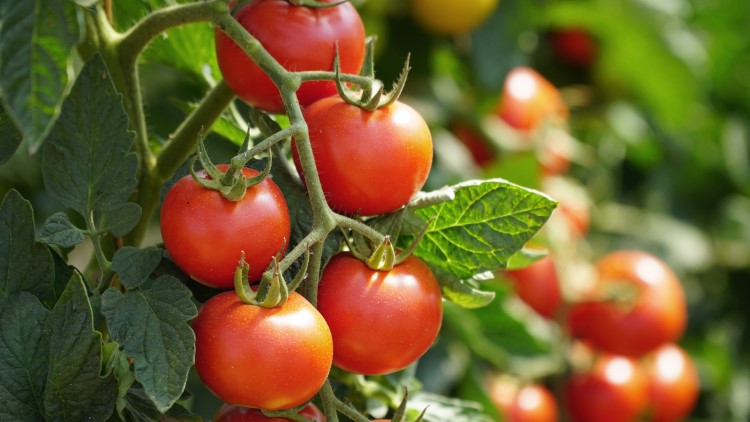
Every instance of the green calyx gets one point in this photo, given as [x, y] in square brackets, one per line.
[372, 96]
[273, 291]
[231, 184]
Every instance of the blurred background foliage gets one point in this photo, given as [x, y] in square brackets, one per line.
[659, 126]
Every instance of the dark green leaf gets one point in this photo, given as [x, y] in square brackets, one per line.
[134, 265]
[75, 390]
[24, 345]
[58, 230]
[140, 409]
[461, 292]
[10, 139]
[444, 409]
[118, 365]
[25, 265]
[87, 164]
[481, 228]
[36, 41]
[63, 273]
[151, 324]
[121, 219]
[188, 48]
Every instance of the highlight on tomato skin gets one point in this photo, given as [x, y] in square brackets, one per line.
[528, 99]
[233, 413]
[522, 403]
[674, 384]
[290, 33]
[653, 313]
[615, 389]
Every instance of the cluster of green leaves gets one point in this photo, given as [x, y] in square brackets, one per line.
[111, 340]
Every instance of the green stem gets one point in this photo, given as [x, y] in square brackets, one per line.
[313, 273]
[329, 399]
[242, 159]
[104, 264]
[320, 75]
[349, 223]
[350, 412]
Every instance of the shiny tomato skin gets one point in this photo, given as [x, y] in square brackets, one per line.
[232, 413]
[673, 384]
[452, 17]
[299, 38]
[658, 315]
[369, 162]
[256, 357]
[381, 321]
[528, 99]
[614, 390]
[529, 403]
[205, 233]
[538, 286]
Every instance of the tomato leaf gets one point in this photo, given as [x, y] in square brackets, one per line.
[524, 258]
[24, 345]
[121, 219]
[25, 265]
[134, 265]
[117, 363]
[87, 164]
[151, 323]
[189, 49]
[479, 230]
[444, 409]
[58, 230]
[10, 139]
[140, 409]
[37, 38]
[461, 292]
[75, 389]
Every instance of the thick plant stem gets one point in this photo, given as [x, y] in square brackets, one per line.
[329, 400]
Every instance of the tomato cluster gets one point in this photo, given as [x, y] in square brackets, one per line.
[254, 354]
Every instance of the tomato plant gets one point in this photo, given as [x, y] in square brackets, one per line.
[205, 232]
[232, 413]
[390, 148]
[654, 313]
[673, 384]
[614, 389]
[381, 321]
[528, 100]
[538, 286]
[272, 358]
[290, 34]
[452, 17]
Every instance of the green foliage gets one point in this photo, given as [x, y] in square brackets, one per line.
[134, 265]
[58, 230]
[10, 139]
[151, 323]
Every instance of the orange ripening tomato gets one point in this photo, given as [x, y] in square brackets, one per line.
[614, 390]
[673, 384]
[528, 99]
[658, 314]
[452, 17]
[537, 285]
[529, 403]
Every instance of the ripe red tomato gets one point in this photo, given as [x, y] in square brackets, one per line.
[271, 359]
[537, 285]
[205, 233]
[369, 162]
[232, 413]
[528, 99]
[657, 316]
[300, 38]
[614, 390]
[530, 403]
[574, 46]
[381, 321]
[673, 384]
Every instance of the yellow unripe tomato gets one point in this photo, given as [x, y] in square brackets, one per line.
[452, 17]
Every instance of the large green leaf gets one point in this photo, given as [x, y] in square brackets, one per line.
[189, 49]
[25, 265]
[481, 228]
[134, 265]
[75, 389]
[444, 409]
[24, 344]
[59, 230]
[140, 409]
[151, 323]
[87, 164]
[36, 41]
[10, 139]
